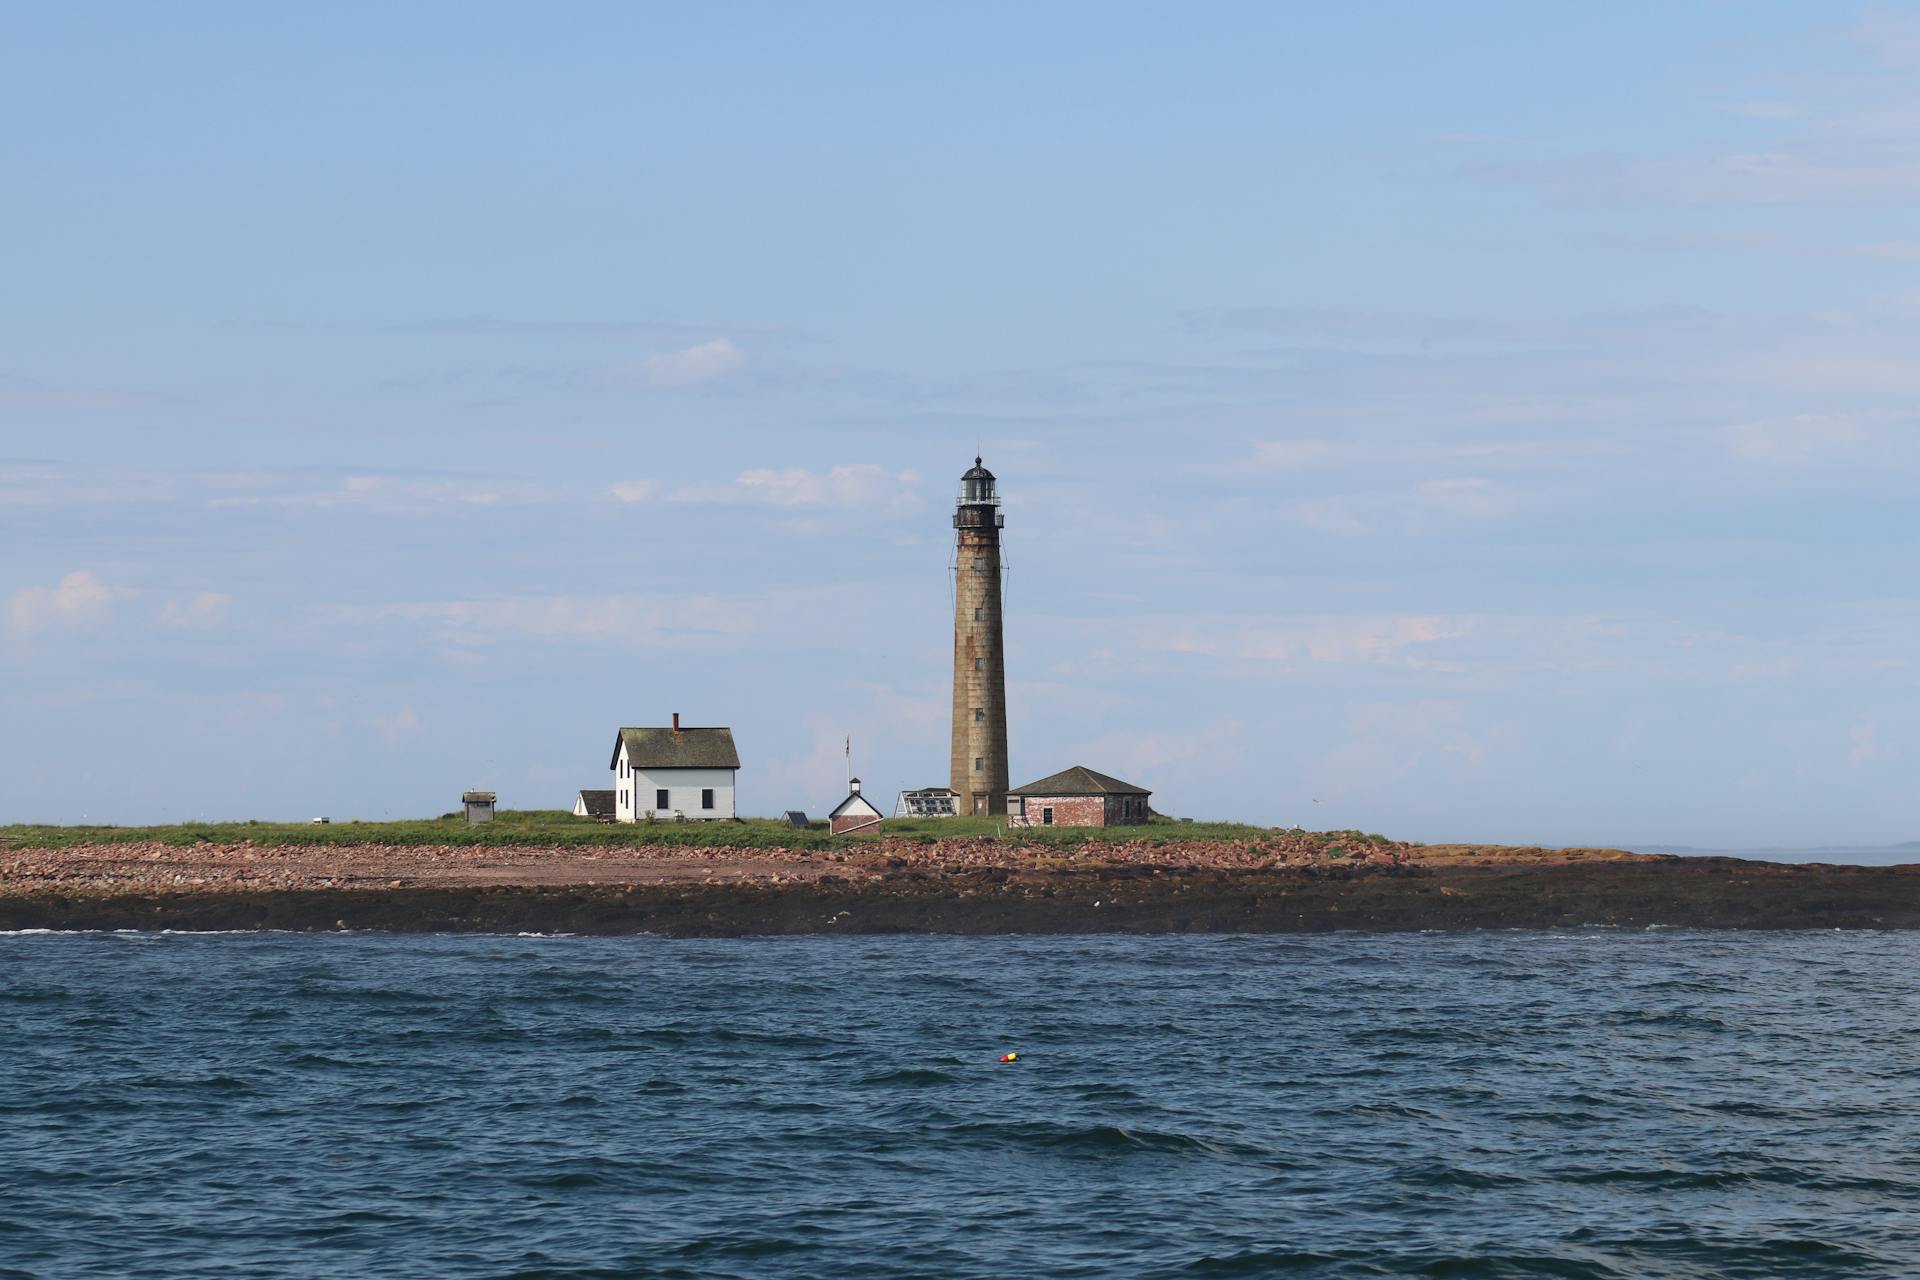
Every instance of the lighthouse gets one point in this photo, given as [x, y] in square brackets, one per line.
[979, 773]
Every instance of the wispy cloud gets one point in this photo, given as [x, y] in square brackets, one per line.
[637, 619]
[1404, 641]
[200, 611]
[78, 600]
[851, 486]
[370, 490]
[703, 362]
[1793, 441]
[1863, 743]
[396, 727]
[636, 490]
[1857, 149]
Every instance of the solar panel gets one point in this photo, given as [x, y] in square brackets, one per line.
[795, 818]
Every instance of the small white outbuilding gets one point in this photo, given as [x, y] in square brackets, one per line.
[855, 813]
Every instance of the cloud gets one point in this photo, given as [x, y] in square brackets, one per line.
[1332, 514]
[853, 486]
[1863, 743]
[635, 490]
[1290, 455]
[641, 620]
[387, 492]
[1763, 109]
[1860, 148]
[1891, 38]
[79, 600]
[1794, 441]
[816, 775]
[1472, 497]
[861, 484]
[1831, 172]
[395, 728]
[687, 367]
[1144, 756]
[203, 610]
[1388, 742]
[1389, 640]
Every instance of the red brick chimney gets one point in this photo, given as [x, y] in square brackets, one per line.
[676, 722]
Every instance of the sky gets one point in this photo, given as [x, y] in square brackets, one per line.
[1461, 422]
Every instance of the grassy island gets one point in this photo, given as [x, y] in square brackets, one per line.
[546, 870]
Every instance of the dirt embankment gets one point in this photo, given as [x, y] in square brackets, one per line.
[953, 886]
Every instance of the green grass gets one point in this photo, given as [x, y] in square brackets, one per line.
[558, 827]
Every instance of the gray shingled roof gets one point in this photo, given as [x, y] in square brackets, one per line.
[663, 748]
[599, 803]
[1079, 781]
[476, 797]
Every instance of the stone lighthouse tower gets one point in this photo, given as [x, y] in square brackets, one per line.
[979, 772]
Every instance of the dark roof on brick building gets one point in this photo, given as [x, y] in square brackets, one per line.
[668, 748]
[1079, 781]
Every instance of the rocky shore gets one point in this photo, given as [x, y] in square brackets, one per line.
[1275, 884]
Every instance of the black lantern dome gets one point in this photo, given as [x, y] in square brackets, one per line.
[977, 484]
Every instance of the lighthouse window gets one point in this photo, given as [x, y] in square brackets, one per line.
[976, 664]
[979, 713]
[977, 614]
[979, 762]
[979, 562]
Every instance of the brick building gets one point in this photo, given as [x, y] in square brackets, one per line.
[1077, 797]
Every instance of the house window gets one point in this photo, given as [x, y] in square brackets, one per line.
[660, 799]
[1046, 816]
[706, 798]
[979, 713]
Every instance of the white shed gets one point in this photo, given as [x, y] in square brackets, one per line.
[855, 813]
[478, 805]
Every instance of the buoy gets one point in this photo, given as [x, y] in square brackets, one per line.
[1009, 1057]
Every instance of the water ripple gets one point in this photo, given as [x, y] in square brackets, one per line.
[1581, 1103]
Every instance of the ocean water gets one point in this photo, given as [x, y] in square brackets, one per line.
[1493, 1104]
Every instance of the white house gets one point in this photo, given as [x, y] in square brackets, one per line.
[673, 774]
